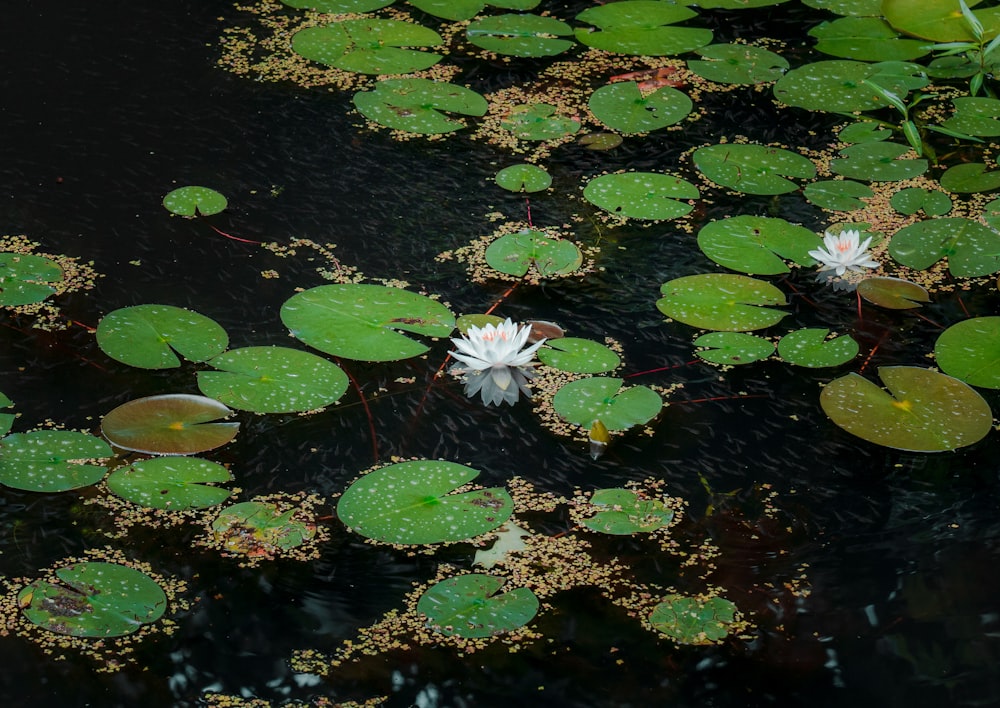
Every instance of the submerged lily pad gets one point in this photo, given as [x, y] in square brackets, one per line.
[623, 107]
[581, 356]
[923, 411]
[970, 351]
[470, 606]
[738, 64]
[419, 105]
[361, 321]
[369, 46]
[25, 278]
[273, 380]
[753, 169]
[174, 483]
[172, 424]
[810, 347]
[757, 244]
[524, 177]
[516, 253]
[641, 195]
[93, 599]
[601, 398]
[191, 201]
[641, 27]
[622, 513]
[520, 35]
[414, 503]
[693, 620]
[893, 293]
[151, 336]
[719, 301]
[259, 529]
[733, 348]
[972, 249]
[538, 121]
[51, 460]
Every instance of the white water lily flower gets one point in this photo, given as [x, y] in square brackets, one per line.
[844, 252]
[495, 361]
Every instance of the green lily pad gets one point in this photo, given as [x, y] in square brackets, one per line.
[339, 7]
[524, 178]
[469, 606]
[877, 162]
[622, 107]
[893, 293]
[838, 85]
[753, 169]
[757, 244]
[51, 460]
[273, 380]
[991, 214]
[933, 202]
[975, 116]
[151, 336]
[972, 249]
[866, 39]
[192, 201]
[738, 64]
[641, 195]
[93, 599]
[171, 424]
[538, 121]
[459, 10]
[970, 351]
[414, 503]
[365, 322]
[419, 105]
[720, 301]
[520, 35]
[600, 141]
[516, 253]
[970, 177]
[174, 483]
[838, 194]
[601, 398]
[25, 278]
[581, 356]
[369, 46]
[627, 514]
[924, 411]
[938, 20]
[261, 529]
[692, 620]
[733, 348]
[6, 419]
[863, 131]
[641, 27]
[811, 348]
[859, 8]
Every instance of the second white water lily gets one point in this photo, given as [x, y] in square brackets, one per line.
[844, 252]
[495, 361]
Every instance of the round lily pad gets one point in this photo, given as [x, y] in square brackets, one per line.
[939, 20]
[864, 131]
[757, 244]
[877, 162]
[369, 45]
[693, 620]
[811, 348]
[51, 460]
[538, 121]
[93, 599]
[581, 356]
[975, 116]
[261, 529]
[339, 7]
[622, 512]
[753, 169]
[172, 424]
[641, 195]
[970, 177]
[933, 202]
[365, 322]
[972, 250]
[970, 351]
[733, 348]
[516, 253]
[520, 35]
[459, 10]
[524, 177]
[622, 107]
[151, 336]
[174, 483]
[738, 64]
[273, 380]
[192, 201]
[866, 39]
[838, 85]
[414, 503]
[6, 419]
[733, 303]
[605, 399]
[24, 278]
[470, 606]
[419, 105]
[923, 411]
[893, 293]
[641, 27]
[838, 194]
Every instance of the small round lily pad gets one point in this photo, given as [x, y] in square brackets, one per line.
[693, 620]
[52, 460]
[622, 512]
[605, 399]
[470, 606]
[174, 483]
[151, 336]
[191, 201]
[523, 177]
[25, 278]
[172, 424]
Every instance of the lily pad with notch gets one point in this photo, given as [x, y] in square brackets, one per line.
[581, 356]
[753, 169]
[694, 620]
[757, 244]
[520, 35]
[893, 293]
[738, 64]
[170, 424]
[621, 512]
[339, 7]
[972, 249]
[151, 336]
[975, 116]
[523, 178]
[174, 483]
[52, 460]
[195, 201]
[721, 301]
[838, 85]
[517, 253]
[471, 606]
[909, 201]
[939, 20]
[623, 107]
[419, 105]
[878, 162]
[866, 39]
[605, 399]
[733, 348]
[258, 529]
[811, 347]
[641, 27]
[970, 177]
[970, 351]
[459, 10]
[641, 195]
[539, 121]
[864, 131]
[838, 194]
[6, 419]
[25, 278]
[369, 46]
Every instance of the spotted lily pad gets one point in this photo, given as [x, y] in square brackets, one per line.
[733, 348]
[865, 39]
[459, 10]
[339, 7]
[864, 131]
[273, 380]
[93, 599]
[258, 529]
[623, 107]
[622, 512]
[970, 351]
[753, 169]
[757, 244]
[812, 348]
[172, 424]
[524, 177]
[581, 356]
[601, 398]
[970, 177]
[975, 116]
[938, 20]
[419, 105]
[733, 303]
[191, 201]
[469, 606]
[520, 35]
[174, 483]
[933, 202]
[641, 27]
[838, 85]
[6, 419]
[538, 121]
[361, 321]
[51, 460]
[516, 253]
[693, 620]
[738, 64]
[25, 278]
[861, 8]
[838, 194]
[414, 503]
[641, 195]
[369, 46]
[972, 249]
[923, 411]
[877, 162]
[893, 293]
[151, 336]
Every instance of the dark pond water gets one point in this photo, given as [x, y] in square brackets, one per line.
[109, 106]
